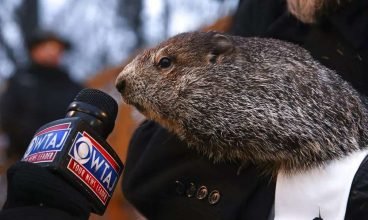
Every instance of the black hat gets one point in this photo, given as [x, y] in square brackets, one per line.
[42, 36]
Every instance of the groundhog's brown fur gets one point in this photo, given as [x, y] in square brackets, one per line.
[247, 99]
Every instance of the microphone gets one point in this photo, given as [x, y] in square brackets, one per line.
[75, 147]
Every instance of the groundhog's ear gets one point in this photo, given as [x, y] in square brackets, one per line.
[221, 45]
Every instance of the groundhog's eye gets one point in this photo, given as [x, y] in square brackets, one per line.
[164, 62]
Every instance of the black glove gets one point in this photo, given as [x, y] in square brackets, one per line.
[37, 193]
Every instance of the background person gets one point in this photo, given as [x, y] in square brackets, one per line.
[36, 94]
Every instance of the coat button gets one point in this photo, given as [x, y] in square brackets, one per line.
[202, 192]
[180, 187]
[214, 197]
[191, 190]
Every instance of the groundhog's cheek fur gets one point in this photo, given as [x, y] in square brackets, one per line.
[152, 94]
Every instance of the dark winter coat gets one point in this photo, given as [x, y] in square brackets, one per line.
[33, 97]
[165, 180]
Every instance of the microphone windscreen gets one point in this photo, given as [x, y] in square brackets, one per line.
[100, 100]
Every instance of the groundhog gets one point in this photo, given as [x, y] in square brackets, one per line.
[255, 100]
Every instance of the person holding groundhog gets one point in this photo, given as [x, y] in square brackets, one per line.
[164, 179]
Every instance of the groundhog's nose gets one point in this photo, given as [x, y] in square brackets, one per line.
[120, 85]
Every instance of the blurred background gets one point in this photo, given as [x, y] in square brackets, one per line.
[103, 33]
[104, 36]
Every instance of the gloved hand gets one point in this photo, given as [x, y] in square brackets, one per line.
[35, 192]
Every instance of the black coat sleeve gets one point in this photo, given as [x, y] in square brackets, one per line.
[16, 103]
[357, 207]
